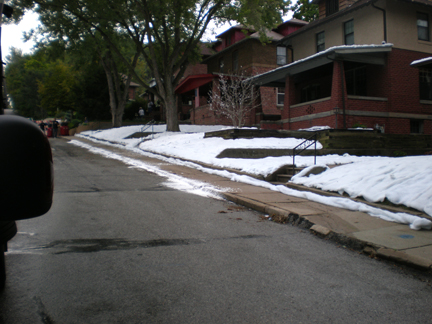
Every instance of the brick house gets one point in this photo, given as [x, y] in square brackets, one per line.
[133, 86]
[361, 63]
[237, 48]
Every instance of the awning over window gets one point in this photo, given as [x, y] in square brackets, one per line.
[194, 81]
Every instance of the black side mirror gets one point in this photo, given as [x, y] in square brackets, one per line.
[26, 169]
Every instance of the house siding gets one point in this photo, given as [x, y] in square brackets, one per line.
[402, 26]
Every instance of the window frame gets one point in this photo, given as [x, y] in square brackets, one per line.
[332, 6]
[281, 58]
[349, 34]
[416, 126]
[280, 94]
[358, 78]
[310, 92]
[421, 16]
[425, 83]
[320, 42]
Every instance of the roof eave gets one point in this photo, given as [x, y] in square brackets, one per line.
[359, 53]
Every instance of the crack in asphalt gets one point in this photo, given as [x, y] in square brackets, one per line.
[108, 190]
[42, 311]
[98, 245]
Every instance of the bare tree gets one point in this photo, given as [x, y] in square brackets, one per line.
[234, 97]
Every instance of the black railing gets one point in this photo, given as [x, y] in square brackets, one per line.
[145, 127]
[304, 146]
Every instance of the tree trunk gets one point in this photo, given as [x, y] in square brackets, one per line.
[118, 97]
[117, 118]
[171, 113]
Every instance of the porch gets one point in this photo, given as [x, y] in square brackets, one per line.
[342, 87]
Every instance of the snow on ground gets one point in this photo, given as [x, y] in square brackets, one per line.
[402, 180]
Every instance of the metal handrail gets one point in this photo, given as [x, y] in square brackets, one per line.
[315, 138]
[144, 128]
[150, 123]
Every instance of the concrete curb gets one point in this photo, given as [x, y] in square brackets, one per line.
[283, 216]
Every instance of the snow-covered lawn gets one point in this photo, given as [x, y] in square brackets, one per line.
[402, 180]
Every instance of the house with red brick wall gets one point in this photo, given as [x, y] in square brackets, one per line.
[362, 63]
[237, 49]
[132, 90]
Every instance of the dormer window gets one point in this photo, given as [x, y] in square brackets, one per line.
[332, 6]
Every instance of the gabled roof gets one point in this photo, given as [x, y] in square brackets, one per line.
[206, 49]
[292, 21]
[193, 81]
[372, 54]
[255, 37]
[270, 34]
[237, 27]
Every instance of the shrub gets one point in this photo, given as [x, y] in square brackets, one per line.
[74, 123]
[399, 153]
[359, 125]
[132, 108]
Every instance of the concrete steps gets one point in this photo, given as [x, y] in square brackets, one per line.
[284, 174]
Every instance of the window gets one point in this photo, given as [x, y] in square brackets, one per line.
[423, 26]
[416, 126]
[280, 96]
[221, 65]
[310, 92]
[281, 54]
[228, 40]
[349, 32]
[235, 63]
[356, 81]
[332, 6]
[425, 84]
[320, 42]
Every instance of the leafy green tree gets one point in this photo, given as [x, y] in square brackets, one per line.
[92, 95]
[305, 10]
[165, 33]
[22, 85]
[56, 89]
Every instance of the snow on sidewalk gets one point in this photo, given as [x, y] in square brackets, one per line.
[402, 180]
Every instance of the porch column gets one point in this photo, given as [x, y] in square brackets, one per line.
[339, 93]
[197, 98]
[288, 100]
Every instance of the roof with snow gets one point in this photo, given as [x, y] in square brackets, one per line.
[370, 54]
[423, 62]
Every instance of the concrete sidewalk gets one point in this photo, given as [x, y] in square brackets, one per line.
[356, 230]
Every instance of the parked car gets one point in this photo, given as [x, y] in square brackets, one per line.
[26, 187]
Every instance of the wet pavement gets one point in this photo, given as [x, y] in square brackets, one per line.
[357, 230]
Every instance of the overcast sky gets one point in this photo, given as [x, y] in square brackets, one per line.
[12, 35]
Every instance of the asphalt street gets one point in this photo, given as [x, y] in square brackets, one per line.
[119, 246]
